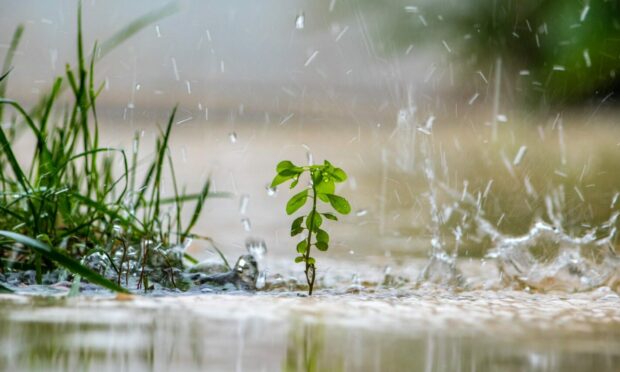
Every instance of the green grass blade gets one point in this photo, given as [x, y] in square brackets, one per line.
[5, 147]
[135, 26]
[69, 263]
[8, 59]
[195, 196]
[198, 209]
[4, 76]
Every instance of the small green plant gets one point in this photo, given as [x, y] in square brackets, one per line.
[323, 179]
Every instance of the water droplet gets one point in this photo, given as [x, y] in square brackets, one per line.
[351, 251]
[232, 137]
[256, 247]
[271, 191]
[300, 21]
[243, 203]
[247, 226]
[361, 212]
[118, 230]
[260, 281]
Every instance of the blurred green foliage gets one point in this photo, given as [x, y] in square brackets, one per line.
[552, 51]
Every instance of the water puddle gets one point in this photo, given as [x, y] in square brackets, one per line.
[428, 329]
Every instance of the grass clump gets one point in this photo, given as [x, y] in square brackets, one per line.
[70, 211]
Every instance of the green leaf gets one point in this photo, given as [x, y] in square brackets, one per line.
[296, 226]
[278, 179]
[296, 202]
[285, 164]
[330, 216]
[294, 183]
[299, 259]
[338, 175]
[311, 261]
[302, 247]
[326, 186]
[297, 222]
[340, 204]
[291, 172]
[322, 246]
[314, 221]
[63, 260]
[322, 236]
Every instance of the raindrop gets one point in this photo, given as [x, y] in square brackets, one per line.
[586, 57]
[256, 247]
[361, 212]
[520, 155]
[614, 199]
[584, 13]
[175, 69]
[502, 118]
[243, 203]
[247, 226]
[232, 137]
[311, 58]
[300, 21]
[271, 191]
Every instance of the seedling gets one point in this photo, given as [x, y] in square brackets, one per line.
[323, 179]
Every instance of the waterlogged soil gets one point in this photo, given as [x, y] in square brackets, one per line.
[423, 329]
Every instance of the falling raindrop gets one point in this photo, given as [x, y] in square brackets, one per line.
[361, 212]
[247, 226]
[300, 21]
[232, 137]
[243, 203]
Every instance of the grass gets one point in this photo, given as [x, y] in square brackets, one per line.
[71, 201]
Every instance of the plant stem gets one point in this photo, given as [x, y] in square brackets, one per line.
[310, 273]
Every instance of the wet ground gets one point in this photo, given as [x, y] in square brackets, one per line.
[423, 330]
[363, 317]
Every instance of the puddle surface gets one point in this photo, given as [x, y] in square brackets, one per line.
[427, 330]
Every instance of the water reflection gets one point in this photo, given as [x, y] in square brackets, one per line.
[183, 334]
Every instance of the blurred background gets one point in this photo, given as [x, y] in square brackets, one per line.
[516, 100]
